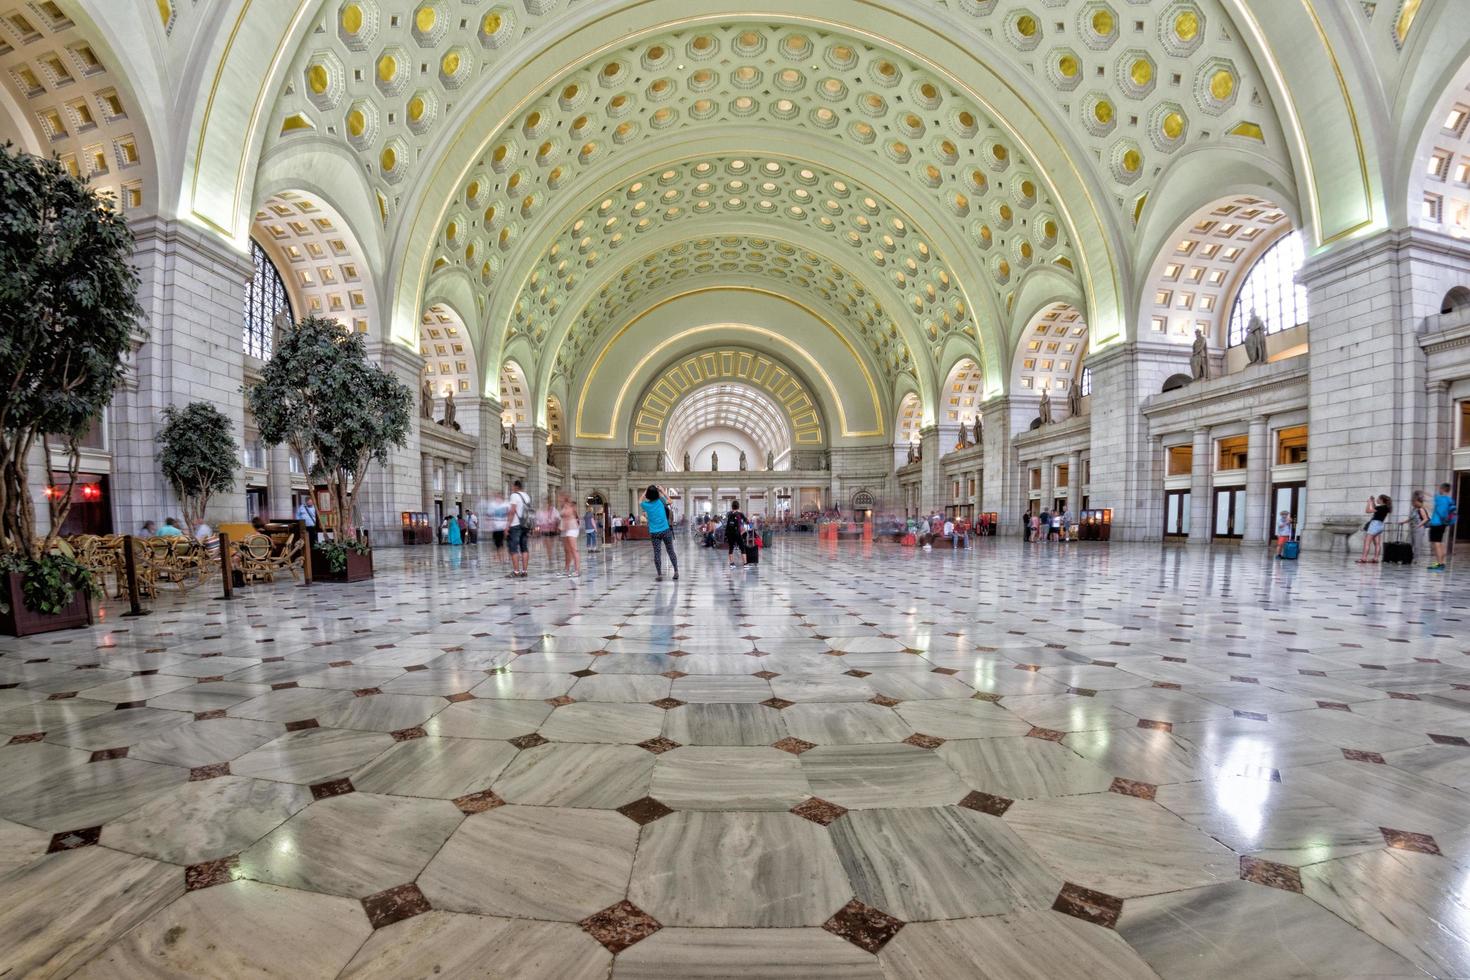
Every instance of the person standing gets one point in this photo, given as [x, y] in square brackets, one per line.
[1285, 528]
[498, 517]
[1379, 507]
[452, 533]
[735, 533]
[521, 522]
[472, 528]
[1025, 526]
[589, 528]
[617, 528]
[656, 510]
[571, 558]
[1441, 519]
[306, 514]
[1417, 523]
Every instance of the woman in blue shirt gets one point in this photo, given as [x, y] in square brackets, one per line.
[656, 512]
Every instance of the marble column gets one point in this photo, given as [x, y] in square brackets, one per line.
[192, 291]
[278, 483]
[427, 482]
[536, 481]
[1200, 518]
[485, 473]
[395, 486]
[1438, 436]
[1002, 484]
[1152, 497]
[1074, 483]
[931, 470]
[1048, 483]
[1258, 516]
[1123, 376]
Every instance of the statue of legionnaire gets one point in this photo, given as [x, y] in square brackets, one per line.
[1199, 358]
[714, 461]
[1074, 399]
[770, 460]
[658, 464]
[515, 443]
[426, 406]
[911, 452]
[1045, 408]
[964, 436]
[687, 467]
[1255, 340]
[449, 411]
[742, 461]
[504, 442]
[977, 430]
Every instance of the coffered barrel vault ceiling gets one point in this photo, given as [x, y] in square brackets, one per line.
[1014, 142]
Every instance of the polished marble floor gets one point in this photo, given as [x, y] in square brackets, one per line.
[1029, 762]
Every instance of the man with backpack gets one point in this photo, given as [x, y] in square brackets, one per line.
[1441, 519]
[522, 522]
[735, 534]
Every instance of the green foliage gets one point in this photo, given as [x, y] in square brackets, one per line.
[337, 411]
[50, 583]
[198, 455]
[336, 554]
[69, 296]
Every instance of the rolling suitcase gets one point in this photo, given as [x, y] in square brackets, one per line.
[751, 546]
[1291, 550]
[1399, 551]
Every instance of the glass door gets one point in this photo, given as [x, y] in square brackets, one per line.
[1229, 512]
[1176, 513]
[1290, 497]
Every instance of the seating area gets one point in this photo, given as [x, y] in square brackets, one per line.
[185, 563]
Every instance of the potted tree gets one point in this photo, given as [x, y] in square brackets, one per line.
[198, 455]
[69, 296]
[338, 412]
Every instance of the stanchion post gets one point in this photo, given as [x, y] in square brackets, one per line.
[227, 574]
[130, 571]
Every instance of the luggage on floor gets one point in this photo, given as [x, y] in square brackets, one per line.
[750, 544]
[1290, 550]
[909, 541]
[1399, 550]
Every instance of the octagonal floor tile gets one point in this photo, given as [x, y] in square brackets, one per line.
[940, 863]
[1120, 845]
[738, 869]
[533, 862]
[356, 845]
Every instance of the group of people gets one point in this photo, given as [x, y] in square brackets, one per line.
[735, 530]
[1048, 525]
[1428, 522]
[172, 529]
[514, 520]
[458, 529]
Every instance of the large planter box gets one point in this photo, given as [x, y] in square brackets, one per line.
[20, 621]
[359, 568]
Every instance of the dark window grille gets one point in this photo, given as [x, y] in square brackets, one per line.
[1271, 291]
[265, 297]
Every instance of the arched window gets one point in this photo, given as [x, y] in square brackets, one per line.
[1086, 381]
[265, 297]
[1271, 291]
